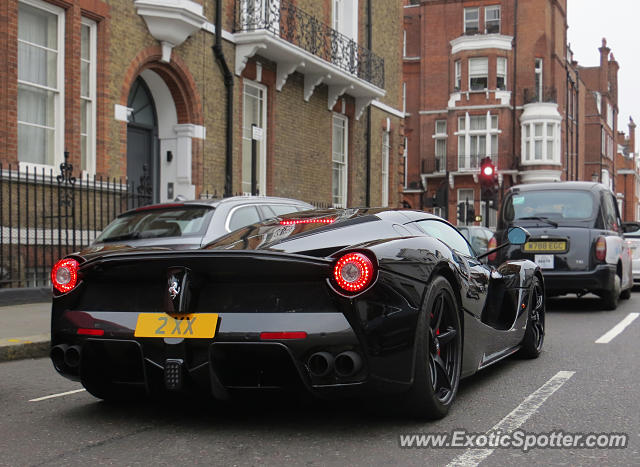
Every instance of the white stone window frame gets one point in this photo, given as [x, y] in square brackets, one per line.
[58, 128]
[492, 132]
[458, 75]
[528, 157]
[539, 77]
[91, 99]
[384, 169]
[484, 73]
[262, 155]
[487, 9]
[342, 202]
[439, 136]
[466, 22]
[501, 72]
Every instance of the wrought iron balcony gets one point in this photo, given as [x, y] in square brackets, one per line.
[288, 22]
[549, 95]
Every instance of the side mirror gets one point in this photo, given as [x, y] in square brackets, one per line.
[515, 236]
[518, 236]
[628, 227]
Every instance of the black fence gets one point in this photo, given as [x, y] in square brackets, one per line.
[45, 216]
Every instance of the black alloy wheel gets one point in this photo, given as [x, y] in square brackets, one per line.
[534, 334]
[438, 353]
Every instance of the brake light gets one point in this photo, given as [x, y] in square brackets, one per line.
[601, 249]
[64, 275]
[353, 272]
[269, 336]
[307, 221]
[90, 332]
[493, 243]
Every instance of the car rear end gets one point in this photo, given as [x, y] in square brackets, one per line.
[574, 255]
[222, 320]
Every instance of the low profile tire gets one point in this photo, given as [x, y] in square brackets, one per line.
[610, 298]
[438, 354]
[534, 333]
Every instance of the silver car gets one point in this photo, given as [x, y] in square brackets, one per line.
[633, 240]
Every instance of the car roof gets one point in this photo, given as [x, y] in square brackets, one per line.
[584, 186]
[231, 201]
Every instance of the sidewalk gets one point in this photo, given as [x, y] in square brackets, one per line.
[25, 331]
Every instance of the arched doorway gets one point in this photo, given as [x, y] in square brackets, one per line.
[142, 141]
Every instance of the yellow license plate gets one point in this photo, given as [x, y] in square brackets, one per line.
[198, 326]
[545, 246]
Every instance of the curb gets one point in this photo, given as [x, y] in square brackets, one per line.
[25, 347]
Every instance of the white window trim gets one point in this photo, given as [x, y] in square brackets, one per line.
[386, 149]
[337, 116]
[467, 133]
[262, 176]
[440, 137]
[490, 7]
[506, 71]
[464, 19]
[354, 18]
[476, 75]
[404, 43]
[91, 134]
[58, 145]
[544, 138]
[458, 75]
[405, 156]
[539, 71]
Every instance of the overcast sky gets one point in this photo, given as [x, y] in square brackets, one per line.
[617, 20]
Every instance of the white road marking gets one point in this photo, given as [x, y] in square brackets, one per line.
[56, 395]
[515, 419]
[617, 329]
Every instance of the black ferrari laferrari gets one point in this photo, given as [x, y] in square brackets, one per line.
[336, 302]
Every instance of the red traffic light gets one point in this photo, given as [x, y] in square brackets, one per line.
[487, 172]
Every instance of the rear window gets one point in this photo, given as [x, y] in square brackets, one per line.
[157, 223]
[557, 205]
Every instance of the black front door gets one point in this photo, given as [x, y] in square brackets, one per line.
[142, 142]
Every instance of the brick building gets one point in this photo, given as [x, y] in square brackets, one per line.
[628, 175]
[488, 78]
[132, 89]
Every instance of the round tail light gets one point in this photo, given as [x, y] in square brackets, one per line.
[601, 249]
[353, 272]
[64, 275]
[493, 243]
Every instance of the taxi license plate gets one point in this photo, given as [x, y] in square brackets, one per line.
[536, 246]
[198, 326]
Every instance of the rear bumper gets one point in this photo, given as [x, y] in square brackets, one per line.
[235, 359]
[599, 279]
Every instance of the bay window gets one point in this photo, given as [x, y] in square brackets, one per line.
[477, 139]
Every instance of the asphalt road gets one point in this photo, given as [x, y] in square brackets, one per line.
[598, 391]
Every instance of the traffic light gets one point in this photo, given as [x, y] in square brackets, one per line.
[471, 213]
[461, 208]
[488, 173]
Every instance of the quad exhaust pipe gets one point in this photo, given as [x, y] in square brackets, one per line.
[345, 364]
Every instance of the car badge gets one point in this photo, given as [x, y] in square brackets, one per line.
[178, 287]
[174, 287]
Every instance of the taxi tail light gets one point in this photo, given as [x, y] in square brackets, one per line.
[64, 275]
[353, 272]
[601, 249]
[493, 243]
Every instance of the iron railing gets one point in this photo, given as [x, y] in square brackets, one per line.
[547, 95]
[473, 161]
[287, 21]
[45, 216]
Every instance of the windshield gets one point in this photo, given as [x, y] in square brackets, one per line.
[185, 221]
[553, 205]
